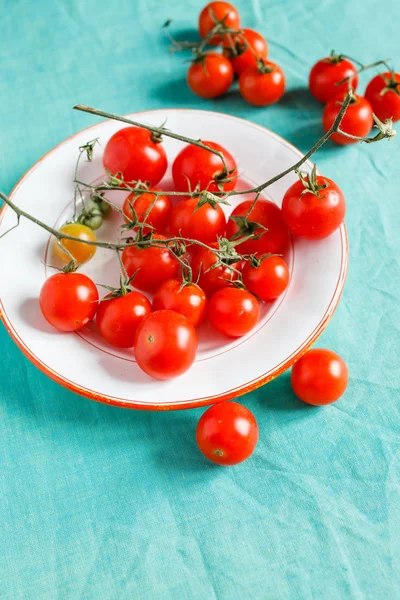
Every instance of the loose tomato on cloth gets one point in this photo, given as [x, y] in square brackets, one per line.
[263, 84]
[319, 377]
[157, 216]
[136, 153]
[198, 167]
[268, 278]
[233, 311]
[217, 11]
[210, 75]
[313, 207]
[327, 73]
[245, 49]
[80, 251]
[68, 301]
[165, 344]
[210, 278]
[383, 93]
[118, 317]
[275, 236]
[357, 120]
[152, 265]
[227, 433]
[204, 224]
[188, 299]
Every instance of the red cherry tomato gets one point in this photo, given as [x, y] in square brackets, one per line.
[204, 224]
[319, 377]
[211, 280]
[227, 433]
[137, 154]
[152, 265]
[118, 318]
[243, 50]
[189, 300]
[158, 216]
[233, 312]
[357, 121]
[195, 166]
[165, 344]
[383, 93]
[210, 76]
[326, 73]
[269, 215]
[217, 11]
[269, 280]
[68, 301]
[262, 87]
[310, 216]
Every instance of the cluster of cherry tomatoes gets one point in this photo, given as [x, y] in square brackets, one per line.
[329, 82]
[244, 55]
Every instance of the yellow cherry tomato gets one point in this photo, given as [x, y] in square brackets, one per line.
[81, 252]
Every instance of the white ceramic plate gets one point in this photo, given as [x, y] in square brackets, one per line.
[224, 369]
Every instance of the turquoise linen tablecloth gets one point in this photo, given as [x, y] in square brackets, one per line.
[105, 503]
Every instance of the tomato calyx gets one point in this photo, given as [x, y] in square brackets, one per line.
[206, 197]
[256, 261]
[385, 130]
[263, 68]
[247, 229]
[310, 183]
[391, 84]
[70, 267]
[133, 222]
[89, 148]
[334, 59]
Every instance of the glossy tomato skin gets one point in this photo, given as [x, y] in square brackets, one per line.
[159, 214]
[189, 300]
[80, 251]
[311, 217]
[195, 166]
[262, 89]
[165, 344]
[249, 45]
[218, 10]
[269, 280]
[357, 121]
[227, 433]
[319, 377]
[215, 279]
[233, 311]
[133, 152]
[210, 76]
[270, 216]
[118, 318]
[152, 265]
[204, 224]
[385, 104]
[68, 301]
[326, 73]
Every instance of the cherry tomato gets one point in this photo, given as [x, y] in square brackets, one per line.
[269, 215]
[233, 312]
[262, 86]
[118, 317]
[310, 216]
[210, 76]
[217, 11]
[68, 301]
[137, 154]
[319, 377]
[204, 224]
[158, 216]
[326, 73]
[243, 50]
[227, 433]
[383, 93]
[195, 166]
[358, 119]
[80, 251]
[188, 299]
[269, 280]
[152, 265]
[211, 280]
[165, 344]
